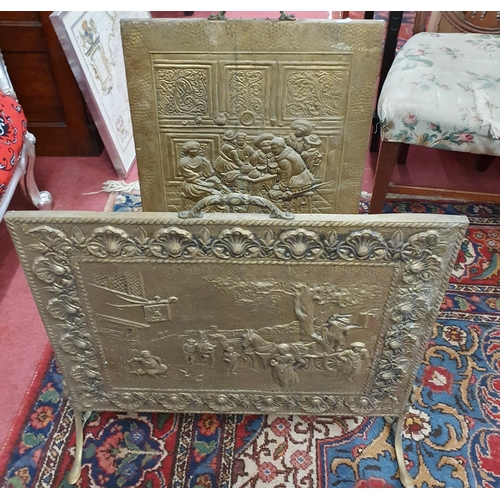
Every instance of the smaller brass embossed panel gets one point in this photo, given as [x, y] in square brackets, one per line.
[281, 110]
[321, 314]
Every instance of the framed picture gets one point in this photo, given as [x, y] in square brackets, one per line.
[93, 46]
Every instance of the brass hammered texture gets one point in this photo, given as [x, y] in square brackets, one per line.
[238, 313]
[281, 110]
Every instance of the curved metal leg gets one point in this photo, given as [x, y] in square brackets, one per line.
[80, 421]
[405, 477]
[41, 199]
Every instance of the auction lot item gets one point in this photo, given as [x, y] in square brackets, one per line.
[279, 109]
[237, 313]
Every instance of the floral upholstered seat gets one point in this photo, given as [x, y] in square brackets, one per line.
[443, 91]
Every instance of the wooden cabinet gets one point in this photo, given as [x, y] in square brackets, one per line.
[45, 86]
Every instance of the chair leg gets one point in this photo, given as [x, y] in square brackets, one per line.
[41, 199]
[403, 154]
[375, 140]
[483, 162]
[387, 156]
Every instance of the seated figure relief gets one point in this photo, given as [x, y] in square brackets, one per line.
[199, 176]
[293, 175]
[281, 169]
[305, 143]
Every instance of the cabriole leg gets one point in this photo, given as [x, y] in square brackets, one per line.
[80, 421]
[41, 199]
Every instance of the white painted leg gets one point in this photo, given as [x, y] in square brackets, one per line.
[41, 199]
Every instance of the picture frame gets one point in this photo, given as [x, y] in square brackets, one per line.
[92, 43]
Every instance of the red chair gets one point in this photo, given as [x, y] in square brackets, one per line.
[17, 149]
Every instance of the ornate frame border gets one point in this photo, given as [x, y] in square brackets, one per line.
[423, 257]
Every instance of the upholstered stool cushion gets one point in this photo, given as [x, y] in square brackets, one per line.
[12, 129]
[443, 91]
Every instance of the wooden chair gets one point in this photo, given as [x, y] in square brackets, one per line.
[441, 92]
[486, 22]
[17, 150]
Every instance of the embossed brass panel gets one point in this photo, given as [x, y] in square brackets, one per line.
[276, 109]
[238, 313]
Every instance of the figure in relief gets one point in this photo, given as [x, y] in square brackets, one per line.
[229, 163]
[206, 348]
[148, 364]
[304, 142]
[199, 176]
[335, 331]
[294, 176]
[200, 350]
[352, 359]
[244, 152]
[232, 358]
[263, 159]
[283, 366]
[189, 350]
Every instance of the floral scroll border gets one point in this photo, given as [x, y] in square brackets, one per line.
[416, 297]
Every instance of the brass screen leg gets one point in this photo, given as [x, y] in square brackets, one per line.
[405, 477]
[80, 421]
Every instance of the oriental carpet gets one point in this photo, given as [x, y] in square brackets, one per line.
[451, 435]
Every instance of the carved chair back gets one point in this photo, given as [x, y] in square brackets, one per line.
[487, 22]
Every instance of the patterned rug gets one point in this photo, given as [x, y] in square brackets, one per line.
[451, 433]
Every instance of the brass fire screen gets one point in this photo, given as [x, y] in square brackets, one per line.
[241, 314]
[270, 108]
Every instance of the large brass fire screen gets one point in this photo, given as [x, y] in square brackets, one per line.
[238, 313]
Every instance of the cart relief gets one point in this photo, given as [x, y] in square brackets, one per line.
[317, 339]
